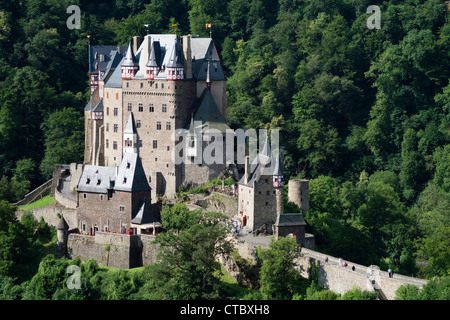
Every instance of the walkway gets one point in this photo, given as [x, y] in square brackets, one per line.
[360, 268]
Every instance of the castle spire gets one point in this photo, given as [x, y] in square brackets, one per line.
[130, 64]
[130, 136]
[208, 76]
[175, 66]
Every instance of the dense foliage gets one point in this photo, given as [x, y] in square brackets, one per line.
[186, 266]
[363, 113]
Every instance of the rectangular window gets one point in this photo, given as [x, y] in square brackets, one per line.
[107, 127]
[168, 125]
[155, 144]
[138, 123]
[164, 108]
[130, 106]
[116, 112]
[141, 107]
[158, 125]
[151, 108]
[107, 143]
[115, 145]
[121, 209]
[117, 96]
[107, 111]
[116, 128]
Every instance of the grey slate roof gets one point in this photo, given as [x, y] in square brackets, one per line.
[96, 179]
[287, 220]
[209, 114]
[115, 81]
[154, 59]
[144, 214]
[130, 59]
[99, 106]
[262, 165]
[202, 51]
[110, 58]
[176, 57]
[130, 174]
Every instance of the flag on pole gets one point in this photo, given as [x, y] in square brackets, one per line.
[208, 25]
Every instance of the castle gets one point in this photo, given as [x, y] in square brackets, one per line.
[141, 96]
[167, 83]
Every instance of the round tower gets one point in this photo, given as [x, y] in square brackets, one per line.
[62, 234]
[298, 193]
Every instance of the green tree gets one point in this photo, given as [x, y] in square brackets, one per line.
[278, 278]
[187, 261]
[63, 131]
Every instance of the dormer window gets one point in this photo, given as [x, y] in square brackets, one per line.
[88, 180]
[98, 181]
[128, 165]
[124, 179]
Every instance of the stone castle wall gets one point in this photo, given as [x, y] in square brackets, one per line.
[334, 277]
[113, 249]
[50, 215]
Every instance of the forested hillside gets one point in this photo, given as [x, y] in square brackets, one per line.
[363, 113]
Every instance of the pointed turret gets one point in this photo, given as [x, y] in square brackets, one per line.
[129, 65]
[153, 65]
[175, 66]
[278, 173]
[130, 136]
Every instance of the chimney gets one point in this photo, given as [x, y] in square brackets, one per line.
[136, 43]
[187, 56]
[118, 49]
[247, 169]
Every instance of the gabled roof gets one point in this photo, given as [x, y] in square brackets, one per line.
[202, 51]
[208, 113]
[96, 179]
[262, 165]
[110, 54]
[130, 174]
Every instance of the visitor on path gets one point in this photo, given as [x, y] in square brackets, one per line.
[390, 273]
